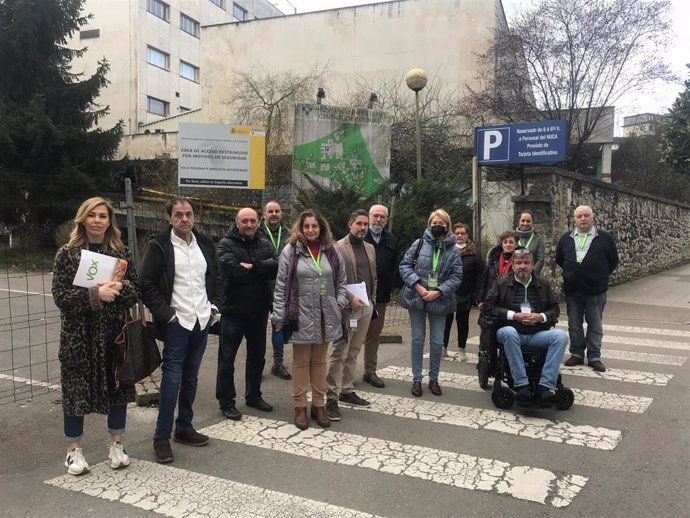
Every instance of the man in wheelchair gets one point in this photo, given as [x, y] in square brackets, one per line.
[526, 310]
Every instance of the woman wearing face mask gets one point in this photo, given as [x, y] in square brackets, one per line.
[468, 294]
[431, 272]
[525, 237]
[499, 262]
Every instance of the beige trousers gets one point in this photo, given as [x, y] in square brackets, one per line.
[309, 365]
[373, 339]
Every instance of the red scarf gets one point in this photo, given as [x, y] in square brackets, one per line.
[315, 247]
[504, 265]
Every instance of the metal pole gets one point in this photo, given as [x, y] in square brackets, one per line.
[477, 204]
[419, 137]
[391, 215]
[131, 226]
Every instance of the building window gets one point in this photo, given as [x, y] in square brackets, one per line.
[158, 58]
[189, 71]
[183, 109]
[189, 25]
[158, 8]
[157, 106]
[93, 33]
[219, 3]
[239, 12]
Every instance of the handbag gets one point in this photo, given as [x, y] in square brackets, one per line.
[136, 351]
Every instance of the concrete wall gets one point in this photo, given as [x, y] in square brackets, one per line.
[650, 232]
[355, 43]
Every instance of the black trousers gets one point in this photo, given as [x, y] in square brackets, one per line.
[463, 320]
[232, 329]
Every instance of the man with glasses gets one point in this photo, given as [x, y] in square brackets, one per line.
[526, 310]
[248, 270]
[386, 246]
[588, 256]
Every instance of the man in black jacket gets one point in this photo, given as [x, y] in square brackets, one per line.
[248, 268]
[526, 310]
[386, 246]
[181, 300]
[588, 255]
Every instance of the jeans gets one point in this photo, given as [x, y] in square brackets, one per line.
[463, 320]
[591, 308]
[278, 349]
[553, 340]
[74, 424]
[437, 324]
[183, 351]
[232, 329]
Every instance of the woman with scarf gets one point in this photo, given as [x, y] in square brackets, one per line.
[467, 295]
[526, 238]
[431, 272]
[499, 262]
[307, 304]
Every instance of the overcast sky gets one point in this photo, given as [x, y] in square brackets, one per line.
[658, 102]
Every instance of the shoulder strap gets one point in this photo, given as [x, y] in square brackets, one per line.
[416, 252]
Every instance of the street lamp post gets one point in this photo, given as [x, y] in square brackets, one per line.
[416, 80]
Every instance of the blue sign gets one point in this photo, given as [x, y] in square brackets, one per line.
[541, 142]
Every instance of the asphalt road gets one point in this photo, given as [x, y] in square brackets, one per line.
[621, 451]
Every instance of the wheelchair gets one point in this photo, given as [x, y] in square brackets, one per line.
[494, 363]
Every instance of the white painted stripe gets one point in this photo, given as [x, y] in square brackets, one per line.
[439, 466]
[613, 354]
[28, 292]
[590, 398]
[27, 381]
[176, 492]
[614, 340]
[638, 330]
[495, 420]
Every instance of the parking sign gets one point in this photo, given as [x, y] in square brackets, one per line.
[542, 142]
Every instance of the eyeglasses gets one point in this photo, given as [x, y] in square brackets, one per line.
[522, 252]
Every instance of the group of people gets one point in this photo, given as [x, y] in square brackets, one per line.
[317, 292]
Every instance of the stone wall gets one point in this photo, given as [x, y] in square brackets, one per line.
[651, 232]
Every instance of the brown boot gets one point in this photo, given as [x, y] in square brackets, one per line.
[301, 420]
[319, 415]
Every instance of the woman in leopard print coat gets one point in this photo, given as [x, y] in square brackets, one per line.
[91, 318]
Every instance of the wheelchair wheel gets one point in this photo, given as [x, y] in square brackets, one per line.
[503, 397]
[564, 398]
[483, 371]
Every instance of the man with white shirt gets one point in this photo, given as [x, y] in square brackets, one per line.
[178, 285]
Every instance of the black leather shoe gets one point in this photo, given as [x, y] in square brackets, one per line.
[281, 372]
[191, 437]
[373, 380]
[353, 399]
[231, 413]
[546, 396]
[573, 361]
[163, 451]
[523, 394]
[260, 404]
[597, 365]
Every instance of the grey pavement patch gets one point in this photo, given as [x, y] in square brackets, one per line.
[439, 466]
[657, 331]
[493, 420]
[179, 493]
[590, 398]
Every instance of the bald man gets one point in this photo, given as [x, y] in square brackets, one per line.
[248, 268]
[588, 256]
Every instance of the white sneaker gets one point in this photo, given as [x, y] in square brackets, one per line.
[76, 463]
[118, 456]
[462, 356]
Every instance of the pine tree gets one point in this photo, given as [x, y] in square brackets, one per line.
[50, 150]
[675, 140]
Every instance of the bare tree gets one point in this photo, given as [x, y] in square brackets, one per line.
[570, 59]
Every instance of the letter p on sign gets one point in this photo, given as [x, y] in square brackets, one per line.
[492, 140]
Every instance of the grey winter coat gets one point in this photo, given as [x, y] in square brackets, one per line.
[449, 274]
[312, 306]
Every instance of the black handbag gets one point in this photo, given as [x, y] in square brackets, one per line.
[136, 351]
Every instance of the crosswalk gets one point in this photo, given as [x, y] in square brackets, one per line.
[640, 370]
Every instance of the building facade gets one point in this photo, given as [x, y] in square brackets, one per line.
[642, 124]
[153, 49]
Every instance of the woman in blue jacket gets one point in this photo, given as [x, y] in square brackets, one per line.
[431, 272]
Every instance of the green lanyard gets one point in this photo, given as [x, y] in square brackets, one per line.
[434, 261]
[317, 261]
[583, 241]
[528, 242]
[276, 244]
[526, 286]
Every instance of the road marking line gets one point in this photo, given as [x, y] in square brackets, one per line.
[439, 466]
[27, 381]
[28, 292]
[613, 354]
[590, 398]
[495, 420]
[176, 492]
[636, 329]
[627, 340]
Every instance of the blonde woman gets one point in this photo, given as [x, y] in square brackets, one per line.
[431, 272]
[90, 319]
